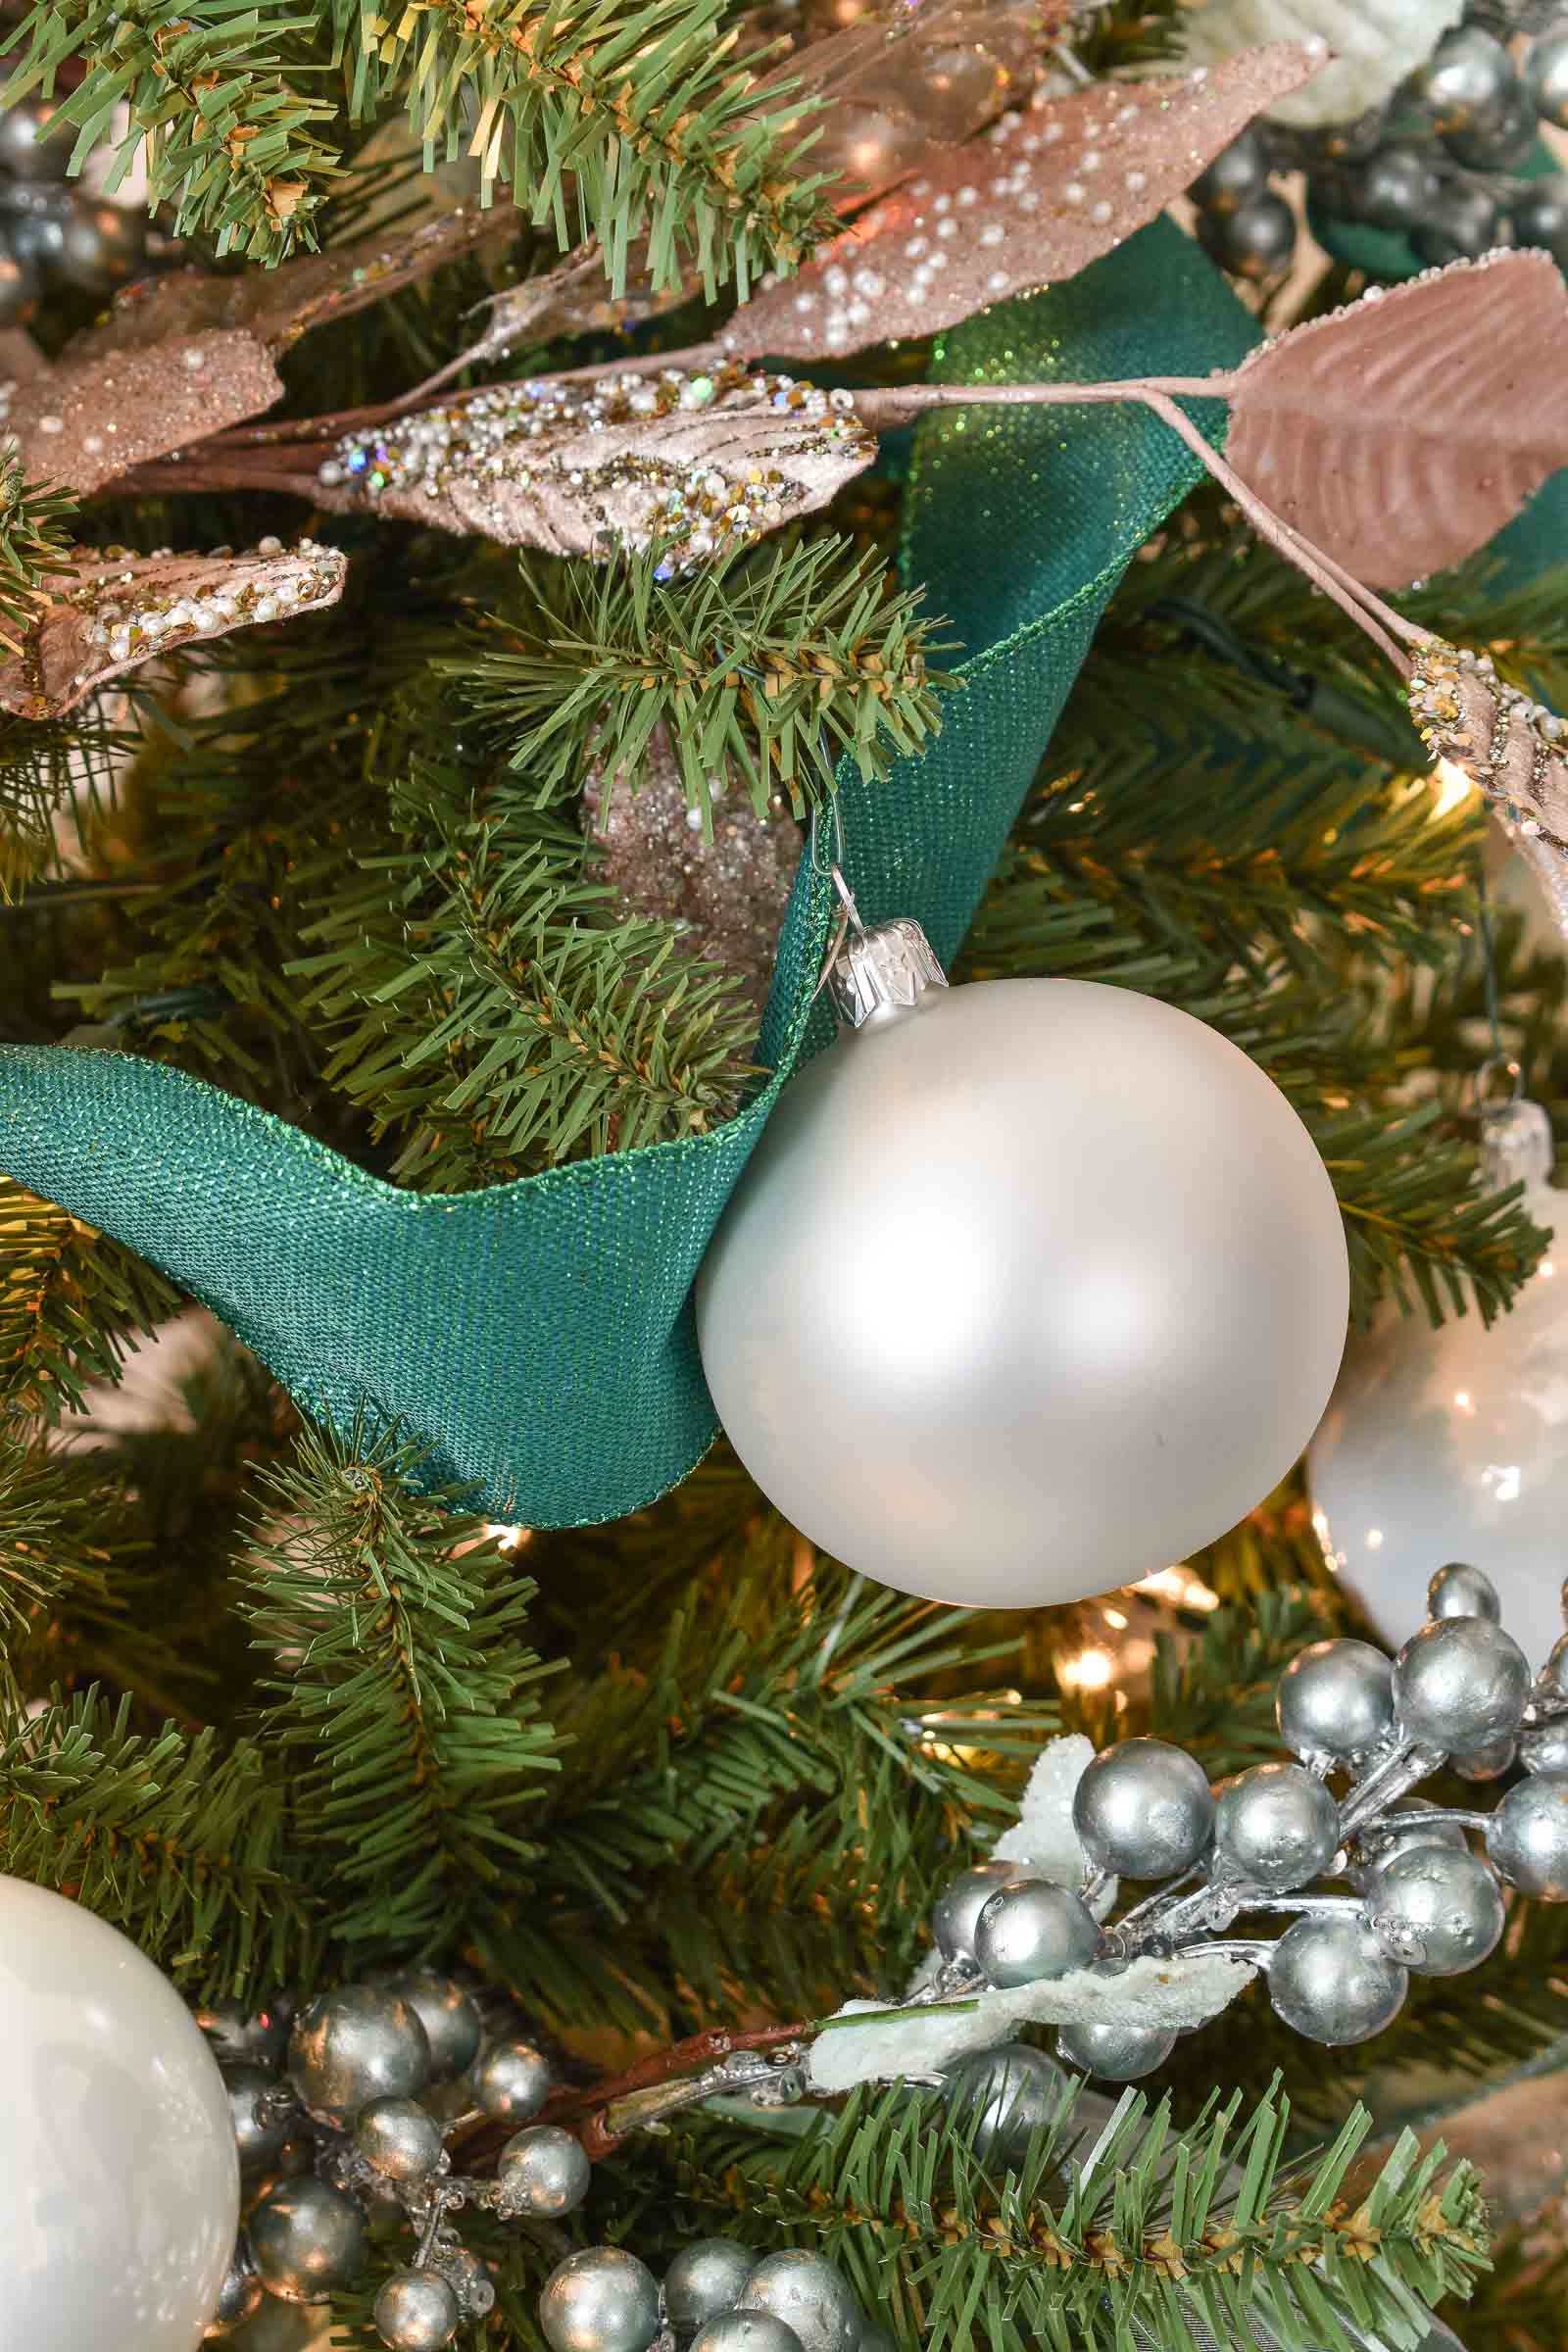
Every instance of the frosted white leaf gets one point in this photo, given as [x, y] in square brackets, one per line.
[1042, 1833]
[1373, 45]
[1170, 1995]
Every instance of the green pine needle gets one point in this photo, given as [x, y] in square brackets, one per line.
[170, 1839]
[71, 1301]
[768, 669]
[1092, 2247]
[491, 1012]
[405, 1696]
[34, 546]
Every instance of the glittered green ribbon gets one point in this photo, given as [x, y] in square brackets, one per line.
[538, 1336]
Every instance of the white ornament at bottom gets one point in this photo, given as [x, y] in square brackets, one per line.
[1454, 1443]
[119, 2179]
[1029, 1289]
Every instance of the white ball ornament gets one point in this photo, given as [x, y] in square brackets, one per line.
[118, 2178]
[1028, 1288]
[1454, 1443]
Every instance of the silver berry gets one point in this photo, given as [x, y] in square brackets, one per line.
[745, 2331]
[1554, 1673]
[1114, 2049]
[956, 1910]
[354, 2046]
[1239, 172]
[1436, 1910]
[1467, 83]
[417, 2311]
[1547, 78]
[1331, 1980]
[1461, 1590]
[451, 2021]
[705, 2279]
[1527, 1836]
[262, 2120]
[1545, 1746]
[601, 2299]
[1392, 188]
[1380, 1840]
[1143, 1810]
[1277, 1826]
[1335, 1703]
[543, 2171]
[1460, 1683]
[26, 151]
[809, 2295]
[239, 2295]
[1256, 240]
[1004, 2096]
[1459, 224]
[511, 2081]
[399, 2138]
[240, 2035]
[305, 2239]
[1031, 1931]
[1487, 1763]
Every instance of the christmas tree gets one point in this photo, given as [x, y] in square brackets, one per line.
[532, 536]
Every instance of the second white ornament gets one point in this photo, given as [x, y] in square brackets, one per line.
[118, 2178]
[1453, 1442]
[1030, 1288]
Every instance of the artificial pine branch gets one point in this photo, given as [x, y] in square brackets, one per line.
[1126, 2244]
[405, 1697]
[492, 1014]
[71, 1300]
[769, 668]
[610, 122]
[616, 122]
[34, 546]
[240, 153]
[52, 1557]
[781, 1767]
[174, 1841]
[1215, 1696]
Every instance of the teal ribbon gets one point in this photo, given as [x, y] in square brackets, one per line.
[538, 1337]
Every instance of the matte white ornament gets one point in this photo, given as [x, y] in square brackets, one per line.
[1454, 1443]
[1029, 1289]
[118, 2178]
[1370, 46]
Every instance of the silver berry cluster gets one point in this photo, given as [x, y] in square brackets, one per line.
[717, 2296]
[1442, 162]
[345, 2109]
[1413, 1894]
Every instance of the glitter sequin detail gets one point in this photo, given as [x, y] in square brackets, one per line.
[702, 460]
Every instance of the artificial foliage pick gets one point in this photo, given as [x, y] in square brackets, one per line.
[1041, 196]
[111, 611]
[768, 672]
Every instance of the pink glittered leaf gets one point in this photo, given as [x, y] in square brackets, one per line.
[112, 612]
[182, 357]
[1037, 199]
[1401, 434]
[700, 460]
[85, 421]
[279, 306]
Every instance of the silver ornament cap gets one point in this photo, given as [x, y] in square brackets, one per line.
[881, 974]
